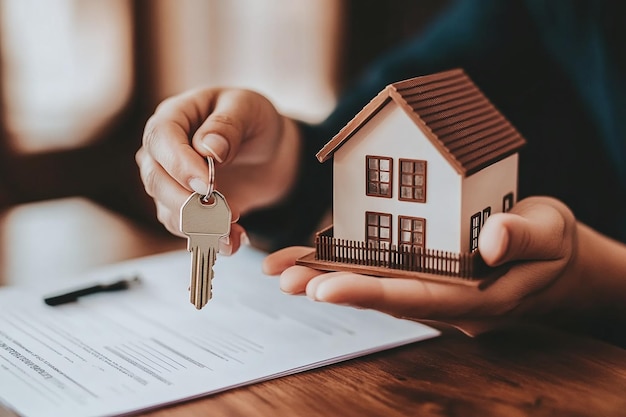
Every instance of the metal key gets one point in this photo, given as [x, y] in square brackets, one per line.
[204, 223]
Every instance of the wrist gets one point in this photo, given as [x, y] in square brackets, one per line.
[306, 190]
[595, 289]
[602, 283]
[592, 287]
[285, 167]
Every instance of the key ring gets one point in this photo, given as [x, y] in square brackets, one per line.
[211, 185]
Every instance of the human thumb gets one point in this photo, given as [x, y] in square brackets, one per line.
[535, 229]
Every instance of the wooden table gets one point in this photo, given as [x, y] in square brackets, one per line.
[519, 371]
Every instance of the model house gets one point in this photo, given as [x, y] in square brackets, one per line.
[417, 172]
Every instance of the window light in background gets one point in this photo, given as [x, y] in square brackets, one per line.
[285, 49]
[67, 69]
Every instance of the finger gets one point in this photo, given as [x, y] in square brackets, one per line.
[294, 279]
[223, 129]
[535, 230]
[275, 263]
[166, 139]
[170, 219]
[235, 213]
[159, 184]
[168, 194]
[235, 117]
[237, 237]
[314, 282]
[471, 328]
[512, 291]
[400, 297]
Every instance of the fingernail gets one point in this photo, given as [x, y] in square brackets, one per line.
[310, 293]
[321, 292]
[503, 237]
[494, 246]
[245, 240]
[284, 291]
[198, 186]
[217, 146]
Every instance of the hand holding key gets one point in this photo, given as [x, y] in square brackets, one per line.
[205, 220]
[254, 147]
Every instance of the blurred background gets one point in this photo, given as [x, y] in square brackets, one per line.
[79, 78]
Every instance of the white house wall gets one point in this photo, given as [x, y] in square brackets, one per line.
[392, 133]
[487, 188]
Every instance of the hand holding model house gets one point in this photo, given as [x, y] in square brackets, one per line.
[416, 175]
[425, 189]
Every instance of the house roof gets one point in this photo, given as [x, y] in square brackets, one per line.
[453, 114]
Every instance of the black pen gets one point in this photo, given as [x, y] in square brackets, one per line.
[72, 295]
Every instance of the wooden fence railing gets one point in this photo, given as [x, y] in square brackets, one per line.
[462, 265]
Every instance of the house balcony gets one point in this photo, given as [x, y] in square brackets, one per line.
[334, 254]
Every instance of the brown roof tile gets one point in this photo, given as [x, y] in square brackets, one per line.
[453, 114]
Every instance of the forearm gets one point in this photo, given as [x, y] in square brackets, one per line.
[304, 194]
[265, 182]
[284, 169]
[590, 296]
[601, 275]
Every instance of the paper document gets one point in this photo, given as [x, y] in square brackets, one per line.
[124, 352]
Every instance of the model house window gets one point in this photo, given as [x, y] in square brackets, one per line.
[486, 214]
[507, 202]
[412, 232]
[379, 174]
[474, 231]
[378, 229]
[413, 180]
